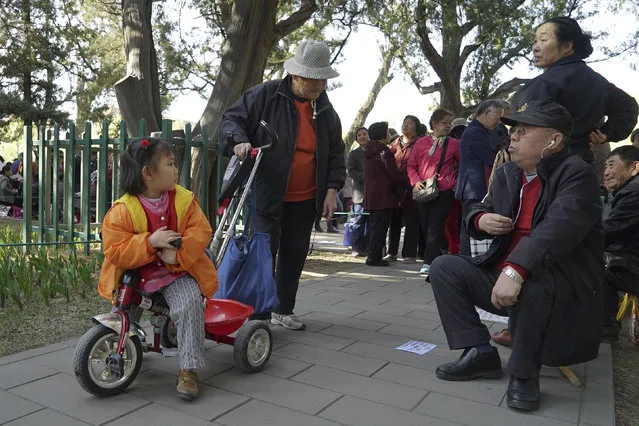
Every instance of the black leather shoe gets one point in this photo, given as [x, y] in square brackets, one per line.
[377, 263]
[523, 394]
[473, 364]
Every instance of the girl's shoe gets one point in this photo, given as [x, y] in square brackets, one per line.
[187, 386]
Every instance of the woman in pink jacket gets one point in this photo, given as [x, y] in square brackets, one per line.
[422, 164]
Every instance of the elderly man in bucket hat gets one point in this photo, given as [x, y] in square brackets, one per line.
[303, 172]
[544, 267]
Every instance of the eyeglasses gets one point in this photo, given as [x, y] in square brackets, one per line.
[520, 130]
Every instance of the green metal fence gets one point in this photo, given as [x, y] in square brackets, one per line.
[65, 215]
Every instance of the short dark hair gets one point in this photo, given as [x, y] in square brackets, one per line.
[633, 135]
[6, 168]
[486, 105]
[141, 153]
[628, 154]
[568, 30]
[438, 115]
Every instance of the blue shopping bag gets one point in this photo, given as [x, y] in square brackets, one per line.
[246, 271]
[348, 234]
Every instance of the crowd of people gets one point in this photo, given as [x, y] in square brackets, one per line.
[504, 211]
[508, 205]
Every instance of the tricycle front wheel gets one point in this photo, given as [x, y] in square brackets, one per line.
[253, 346]
[97, 366]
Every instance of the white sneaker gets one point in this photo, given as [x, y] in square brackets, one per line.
[390, 258]
[425, 269]
[287, 321]
[409, 260]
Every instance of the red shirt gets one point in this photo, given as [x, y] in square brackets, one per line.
[523, 222]
[154, 276]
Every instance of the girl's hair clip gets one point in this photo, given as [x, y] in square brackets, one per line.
[144, 143]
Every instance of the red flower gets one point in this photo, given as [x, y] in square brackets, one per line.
[144, 143]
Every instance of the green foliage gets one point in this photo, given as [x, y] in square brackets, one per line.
[32, 57]
[49, 272]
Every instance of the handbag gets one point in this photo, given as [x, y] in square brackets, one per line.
[431, 185]
[246, 271]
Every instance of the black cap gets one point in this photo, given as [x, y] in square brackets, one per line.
[378, 131]
[542, 113]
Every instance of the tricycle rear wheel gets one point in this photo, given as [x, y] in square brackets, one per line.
[253, 346]
[93, 354]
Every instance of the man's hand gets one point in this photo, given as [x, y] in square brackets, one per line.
[505, 292]
[330, 204]
[241, 150]
[168, 256]
[597, 138]
[161, 238]
[420, 186]
[495, 224]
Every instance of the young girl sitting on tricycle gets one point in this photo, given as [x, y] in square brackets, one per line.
[138, 232]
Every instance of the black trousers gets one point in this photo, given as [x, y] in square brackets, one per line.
[618, 279]
[459, 285]
[378, 222]
[408, 217]
[433, 217]
[464, 238]
[290, 240]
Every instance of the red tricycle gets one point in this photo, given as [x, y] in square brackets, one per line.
[108, 357]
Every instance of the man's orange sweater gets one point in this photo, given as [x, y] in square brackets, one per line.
[302, 179]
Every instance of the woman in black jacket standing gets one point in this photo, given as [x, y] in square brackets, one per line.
[560, 48]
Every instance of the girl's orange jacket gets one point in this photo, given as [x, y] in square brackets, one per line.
[125, 238]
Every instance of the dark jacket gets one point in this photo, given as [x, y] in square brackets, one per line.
[499, 137]
[565, 246]
[7, 191]
[273, 102]
[621, 227]
[356, 172]
[381, 177]
[588, 97]
[475, 154]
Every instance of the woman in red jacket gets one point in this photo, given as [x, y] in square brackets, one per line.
[422, 164]
[406, 214]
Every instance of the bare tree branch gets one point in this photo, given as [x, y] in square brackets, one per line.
[296, 20]
[507, 88]
[342, 44]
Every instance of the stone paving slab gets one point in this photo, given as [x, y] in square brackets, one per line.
[46, 417]
[343, 370]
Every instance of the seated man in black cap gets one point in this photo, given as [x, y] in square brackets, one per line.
[621, 232]
[544, 267]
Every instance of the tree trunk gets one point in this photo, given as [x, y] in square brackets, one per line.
[382, 80]
[138, 93]
[251, 36]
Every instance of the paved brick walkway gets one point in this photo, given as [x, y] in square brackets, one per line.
[342, 370]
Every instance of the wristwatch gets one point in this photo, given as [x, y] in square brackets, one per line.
[511, 273]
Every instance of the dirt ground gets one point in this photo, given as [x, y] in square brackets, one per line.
[38, 325]
[626, 379]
